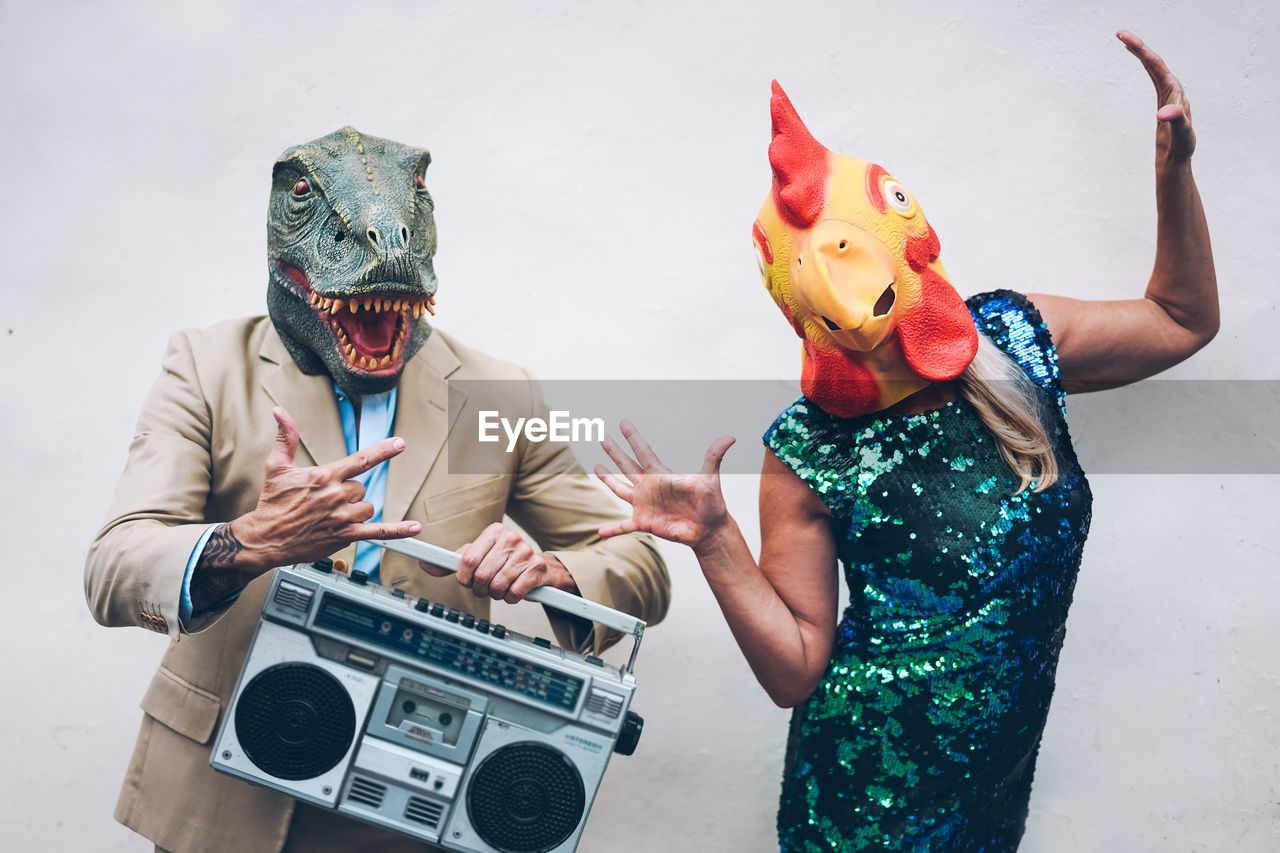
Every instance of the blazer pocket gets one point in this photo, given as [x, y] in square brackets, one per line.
[180, 705]
[469, 498]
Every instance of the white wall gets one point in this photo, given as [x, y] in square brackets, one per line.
[596, 174]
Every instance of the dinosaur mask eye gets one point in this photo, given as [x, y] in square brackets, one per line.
[897, 196]
[301, 188]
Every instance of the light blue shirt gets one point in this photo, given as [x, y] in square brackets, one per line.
[377, 416]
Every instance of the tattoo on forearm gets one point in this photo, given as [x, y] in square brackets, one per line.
[221, 549]
[215, 577]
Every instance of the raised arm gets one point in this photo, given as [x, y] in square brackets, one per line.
[782, 610]
[1106, 344]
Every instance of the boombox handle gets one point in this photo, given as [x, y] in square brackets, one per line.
[556, 599]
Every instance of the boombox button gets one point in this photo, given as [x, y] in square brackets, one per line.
[323, 565]
[542, 641]
[397, 593]
[499, 631]
[422, 605]
[437, 610]
[483, 626]
[359, 577]
[468, 620]
[452, 615]
[595, 660]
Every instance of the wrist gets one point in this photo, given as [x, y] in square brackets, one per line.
[561, 577]
[253, 555]
[1171, 163]
[718, 539]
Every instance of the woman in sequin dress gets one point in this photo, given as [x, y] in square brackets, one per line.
[959, 512]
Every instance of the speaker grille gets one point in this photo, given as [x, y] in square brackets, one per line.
[366, 792]
[525, 798]
[424, 811]
[295, 721]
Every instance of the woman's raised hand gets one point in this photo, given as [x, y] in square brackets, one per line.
[684, 508]
[1173, 111]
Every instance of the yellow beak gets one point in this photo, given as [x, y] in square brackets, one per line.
[844, 276]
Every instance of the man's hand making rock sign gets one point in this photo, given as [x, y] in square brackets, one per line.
[303, 514]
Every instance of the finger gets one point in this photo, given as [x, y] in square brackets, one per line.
[618, 528]
[615, 483]
[434, 571]
[715, 454]
[624, 462]
[499, 567]
[1171, 113]
[472, 554]
[384, 530]
[1159, 73]
[352, 490]
[362, 460]
[526, 583]
[286, 444]
[644, 453]
[517, 566]
[354, 513]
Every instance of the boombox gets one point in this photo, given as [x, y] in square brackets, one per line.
[402, 713]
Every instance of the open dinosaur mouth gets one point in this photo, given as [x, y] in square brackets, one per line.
[370, 329]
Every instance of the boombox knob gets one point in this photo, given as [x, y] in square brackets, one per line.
[323, 565]
[629, 737]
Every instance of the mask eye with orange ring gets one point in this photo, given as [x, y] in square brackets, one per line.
[886, 193]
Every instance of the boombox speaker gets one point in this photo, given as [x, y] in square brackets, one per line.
[424, 720]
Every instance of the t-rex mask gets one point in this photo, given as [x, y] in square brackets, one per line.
[350, 238]
[848, 256]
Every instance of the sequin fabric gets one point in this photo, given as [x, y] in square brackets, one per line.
[922, 734]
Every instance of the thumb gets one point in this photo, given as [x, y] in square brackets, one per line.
[286, 443]
[715, 454]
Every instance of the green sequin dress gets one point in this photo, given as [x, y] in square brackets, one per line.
[922, 734]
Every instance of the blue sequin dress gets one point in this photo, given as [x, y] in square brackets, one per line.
[922, 734]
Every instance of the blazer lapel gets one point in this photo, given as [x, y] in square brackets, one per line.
[309, 399]
[423, 419]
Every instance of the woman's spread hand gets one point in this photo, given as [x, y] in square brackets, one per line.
[684, 508]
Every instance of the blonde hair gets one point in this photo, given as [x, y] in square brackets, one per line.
[1013, 408]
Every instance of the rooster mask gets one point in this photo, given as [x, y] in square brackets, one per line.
[846, 253]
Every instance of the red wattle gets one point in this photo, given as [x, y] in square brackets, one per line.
[938, 335]
[920, 251]
[837, 384]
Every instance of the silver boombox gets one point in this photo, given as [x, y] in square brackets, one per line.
[424, 720]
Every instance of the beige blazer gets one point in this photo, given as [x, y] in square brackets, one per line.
[197, 457]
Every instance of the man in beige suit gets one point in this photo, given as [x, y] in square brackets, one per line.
[240, 463]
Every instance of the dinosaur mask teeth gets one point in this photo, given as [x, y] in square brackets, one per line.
[377, 304]
[370, 330]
